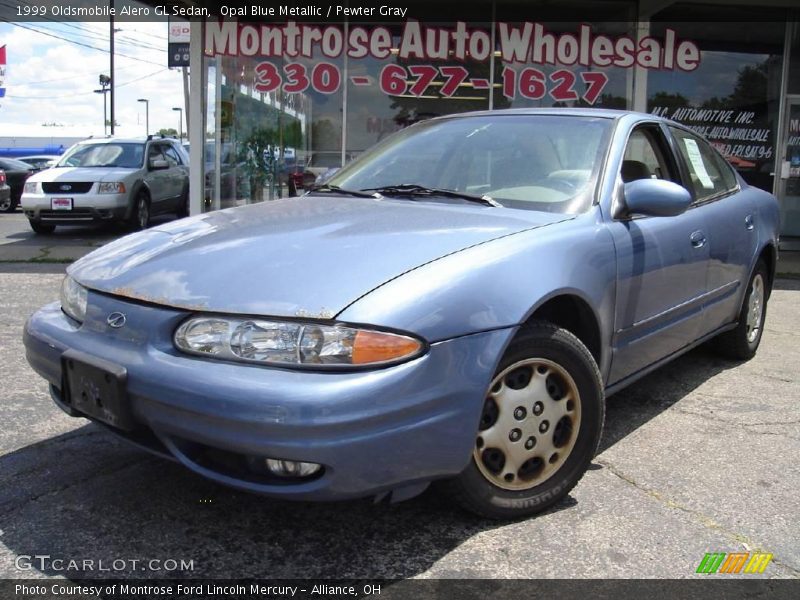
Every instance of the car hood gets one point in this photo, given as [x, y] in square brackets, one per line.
[72, 174]
[308, 256]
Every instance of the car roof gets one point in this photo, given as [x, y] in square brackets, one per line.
[126, 140]
[603, 113]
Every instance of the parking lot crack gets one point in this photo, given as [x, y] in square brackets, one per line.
[714, 417]
[115, 468]
[697, 515]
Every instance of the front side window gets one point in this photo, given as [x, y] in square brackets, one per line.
[536, 162]
[643, 158]
[709, 173]
[122, 155]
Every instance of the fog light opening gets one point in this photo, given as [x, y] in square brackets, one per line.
[291, 468]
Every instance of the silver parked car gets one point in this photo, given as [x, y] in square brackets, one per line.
[110, 179]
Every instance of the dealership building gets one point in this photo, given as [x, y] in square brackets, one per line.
[302, 94]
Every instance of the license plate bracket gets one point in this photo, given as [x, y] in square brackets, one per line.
[97, 388]
[61, 203]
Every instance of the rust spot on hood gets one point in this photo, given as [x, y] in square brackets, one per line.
[127, 292]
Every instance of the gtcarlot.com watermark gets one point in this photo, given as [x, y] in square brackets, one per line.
[45, 562]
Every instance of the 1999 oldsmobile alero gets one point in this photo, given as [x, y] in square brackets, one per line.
[454, 305]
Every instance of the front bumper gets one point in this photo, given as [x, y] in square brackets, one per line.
[373, 431]
[89, 207]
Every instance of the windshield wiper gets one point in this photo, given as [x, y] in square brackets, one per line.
[335, 189]
[413, 189]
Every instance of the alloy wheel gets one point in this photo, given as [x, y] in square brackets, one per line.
[755, 308]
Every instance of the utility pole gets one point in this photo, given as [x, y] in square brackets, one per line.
[186, 97]
[111, 52]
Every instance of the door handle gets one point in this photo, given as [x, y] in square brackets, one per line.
[748, 222]
[698, 239]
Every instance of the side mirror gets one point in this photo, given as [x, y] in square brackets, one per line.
[158, 164]
[656, 198]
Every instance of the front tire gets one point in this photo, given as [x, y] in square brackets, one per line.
[742, 342]
[140, 216]
[540, 427]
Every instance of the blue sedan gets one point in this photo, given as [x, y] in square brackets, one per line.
[454, 305]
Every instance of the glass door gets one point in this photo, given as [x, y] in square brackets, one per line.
[789, 172]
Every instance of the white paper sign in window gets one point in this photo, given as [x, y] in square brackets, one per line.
[699, 167]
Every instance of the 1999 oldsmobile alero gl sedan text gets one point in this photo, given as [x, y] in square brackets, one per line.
[454, 305]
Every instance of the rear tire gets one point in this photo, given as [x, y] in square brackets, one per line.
[8, 206]
[183, 206]
[42, 228]
[742, 342]
[540, 428]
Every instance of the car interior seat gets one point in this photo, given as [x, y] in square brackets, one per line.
[633, 170]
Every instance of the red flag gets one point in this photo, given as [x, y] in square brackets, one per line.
[2, 55]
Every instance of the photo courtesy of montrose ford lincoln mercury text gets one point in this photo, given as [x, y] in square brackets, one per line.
[454, 305]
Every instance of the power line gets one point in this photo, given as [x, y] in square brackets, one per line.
[81, 43]
[20, 83]
[85, 93]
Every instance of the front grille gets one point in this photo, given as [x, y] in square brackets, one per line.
[75, 187]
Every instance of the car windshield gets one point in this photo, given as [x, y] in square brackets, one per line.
[123, 155]
[536, 162]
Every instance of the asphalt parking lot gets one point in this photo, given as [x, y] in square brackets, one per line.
[700, 456]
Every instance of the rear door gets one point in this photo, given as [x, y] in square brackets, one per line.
[729, 222]
[177, 173]
[157, 179]
[662, 265]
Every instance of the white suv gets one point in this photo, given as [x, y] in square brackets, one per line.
[110, 179]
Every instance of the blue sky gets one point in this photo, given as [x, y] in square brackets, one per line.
[51, 80]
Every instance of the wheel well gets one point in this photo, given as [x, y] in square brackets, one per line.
[768, 255]
[573, 314]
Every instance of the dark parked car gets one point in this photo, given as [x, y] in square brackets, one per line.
[41, 161]
[17, 172]
[455, 304]
[5, 193]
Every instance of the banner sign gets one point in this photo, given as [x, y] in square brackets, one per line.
[520, 46]
[2, 71]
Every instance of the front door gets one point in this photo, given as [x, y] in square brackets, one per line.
[662, 267]
[789, 171]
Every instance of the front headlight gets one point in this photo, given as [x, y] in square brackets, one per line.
[111, 187]
[293, 343]
[73, 299]
[31, 187]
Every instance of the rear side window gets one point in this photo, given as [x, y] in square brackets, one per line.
[710, 174]
[172, 156]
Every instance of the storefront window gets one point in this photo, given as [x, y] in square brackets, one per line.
[274, 118]
[732, 97]
[410, 81]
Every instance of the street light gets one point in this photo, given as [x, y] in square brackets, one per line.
[180, 122]
[147, 114]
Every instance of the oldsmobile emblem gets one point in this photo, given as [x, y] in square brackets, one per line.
[116, 320]
[65, 188]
